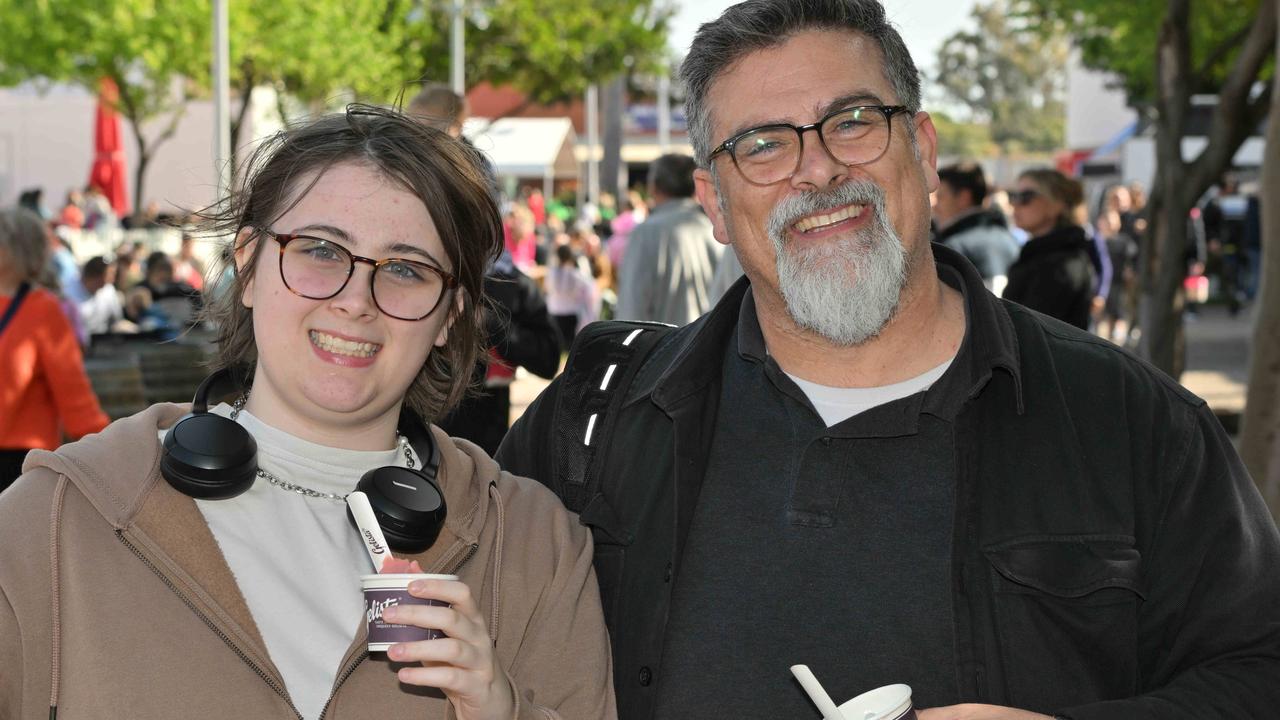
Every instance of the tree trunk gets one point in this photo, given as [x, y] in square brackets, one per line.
[248, 81]
[1260, 427]
[140, 170]
[1160, 307]
[1179, 184]
[613, 179]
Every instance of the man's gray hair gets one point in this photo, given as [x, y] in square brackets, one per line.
[762, 24]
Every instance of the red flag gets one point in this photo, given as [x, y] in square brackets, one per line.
[109, 167]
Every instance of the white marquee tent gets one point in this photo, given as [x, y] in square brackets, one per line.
[527, 148]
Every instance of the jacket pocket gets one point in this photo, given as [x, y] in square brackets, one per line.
[1067, 617]
[611, 540]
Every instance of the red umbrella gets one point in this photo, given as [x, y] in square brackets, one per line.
[108, 171]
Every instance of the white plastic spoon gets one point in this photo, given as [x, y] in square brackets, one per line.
[816, 693]
[370, 532]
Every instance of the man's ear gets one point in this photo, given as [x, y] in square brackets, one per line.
[244, 247]
[458, 305]
[927, 144]
[704, 186]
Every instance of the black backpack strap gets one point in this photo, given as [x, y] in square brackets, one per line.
[12, 310]
[602, 363]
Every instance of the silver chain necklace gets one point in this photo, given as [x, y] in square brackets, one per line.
[302, 490]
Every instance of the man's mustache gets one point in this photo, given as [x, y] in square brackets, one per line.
[794, 207]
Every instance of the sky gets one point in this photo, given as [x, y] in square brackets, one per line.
[923, 23]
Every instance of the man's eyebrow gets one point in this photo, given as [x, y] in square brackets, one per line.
[858, 97]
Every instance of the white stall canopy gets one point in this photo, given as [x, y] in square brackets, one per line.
[527, 148]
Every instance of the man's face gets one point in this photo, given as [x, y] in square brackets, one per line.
[833, 241]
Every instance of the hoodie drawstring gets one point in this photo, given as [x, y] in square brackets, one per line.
[55, 530]
[497, 565]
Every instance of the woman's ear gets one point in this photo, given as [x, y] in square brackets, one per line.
[458, 306]
[245, 243]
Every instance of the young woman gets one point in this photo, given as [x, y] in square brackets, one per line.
[1055, 272]
[360, 245]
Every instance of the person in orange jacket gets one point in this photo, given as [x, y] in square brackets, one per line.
[44, 392]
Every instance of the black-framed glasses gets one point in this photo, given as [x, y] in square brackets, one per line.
[771, 153]
[1022, 197]
[318, 269]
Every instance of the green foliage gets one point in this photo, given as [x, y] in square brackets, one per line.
[1120, 38]
[957, 139]
[550, 50]
[316, 49]
[1008, 76]
[147, 46]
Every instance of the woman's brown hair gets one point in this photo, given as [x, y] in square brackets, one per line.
[446, 174]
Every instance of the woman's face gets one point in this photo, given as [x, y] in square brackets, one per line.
[336, 371]
[1033, 210]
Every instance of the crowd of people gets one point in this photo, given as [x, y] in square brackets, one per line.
[875, 435]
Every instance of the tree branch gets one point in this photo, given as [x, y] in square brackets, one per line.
[1173, 55]
[1229, 126]
[1225, 47]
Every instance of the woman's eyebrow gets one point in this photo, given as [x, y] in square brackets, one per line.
[337, 232]
[396, 249]
[400, 249]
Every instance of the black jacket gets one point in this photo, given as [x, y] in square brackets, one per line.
[1055, 275]
[521, 334]
[1111, 557]
[983, 237]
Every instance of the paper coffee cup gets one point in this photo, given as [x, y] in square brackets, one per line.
[384, 591]
[891, 702]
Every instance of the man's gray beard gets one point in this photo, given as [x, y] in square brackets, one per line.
[845, 290]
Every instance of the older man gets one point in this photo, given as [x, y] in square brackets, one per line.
[671, 257]
[862, 461]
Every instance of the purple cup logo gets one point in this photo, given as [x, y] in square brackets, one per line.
[384, 591]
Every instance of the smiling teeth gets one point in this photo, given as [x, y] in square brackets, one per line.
[338, 346]
[814, 222]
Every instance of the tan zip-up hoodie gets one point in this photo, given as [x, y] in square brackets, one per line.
[115, 601]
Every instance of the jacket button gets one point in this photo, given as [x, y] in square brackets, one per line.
[646, 676]
[666, 576]
[826, 441]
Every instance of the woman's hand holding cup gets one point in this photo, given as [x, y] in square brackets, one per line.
[462, 664]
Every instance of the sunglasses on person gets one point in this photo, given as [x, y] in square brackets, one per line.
[1022, 197]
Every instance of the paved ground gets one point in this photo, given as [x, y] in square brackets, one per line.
[1217, 365]
[1218, 361]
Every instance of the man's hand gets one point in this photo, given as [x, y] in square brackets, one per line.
[979, 712]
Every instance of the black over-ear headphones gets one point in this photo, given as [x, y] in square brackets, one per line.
[211, 457]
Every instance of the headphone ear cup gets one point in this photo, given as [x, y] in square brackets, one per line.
[408, 505]
[209, 457]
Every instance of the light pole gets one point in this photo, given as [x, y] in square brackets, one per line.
[221, 95]
[457, 36]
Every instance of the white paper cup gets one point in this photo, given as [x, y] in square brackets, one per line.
[383, 591]
[891, 702]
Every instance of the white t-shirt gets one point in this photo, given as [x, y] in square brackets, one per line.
[297, 559]
[837, 404]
